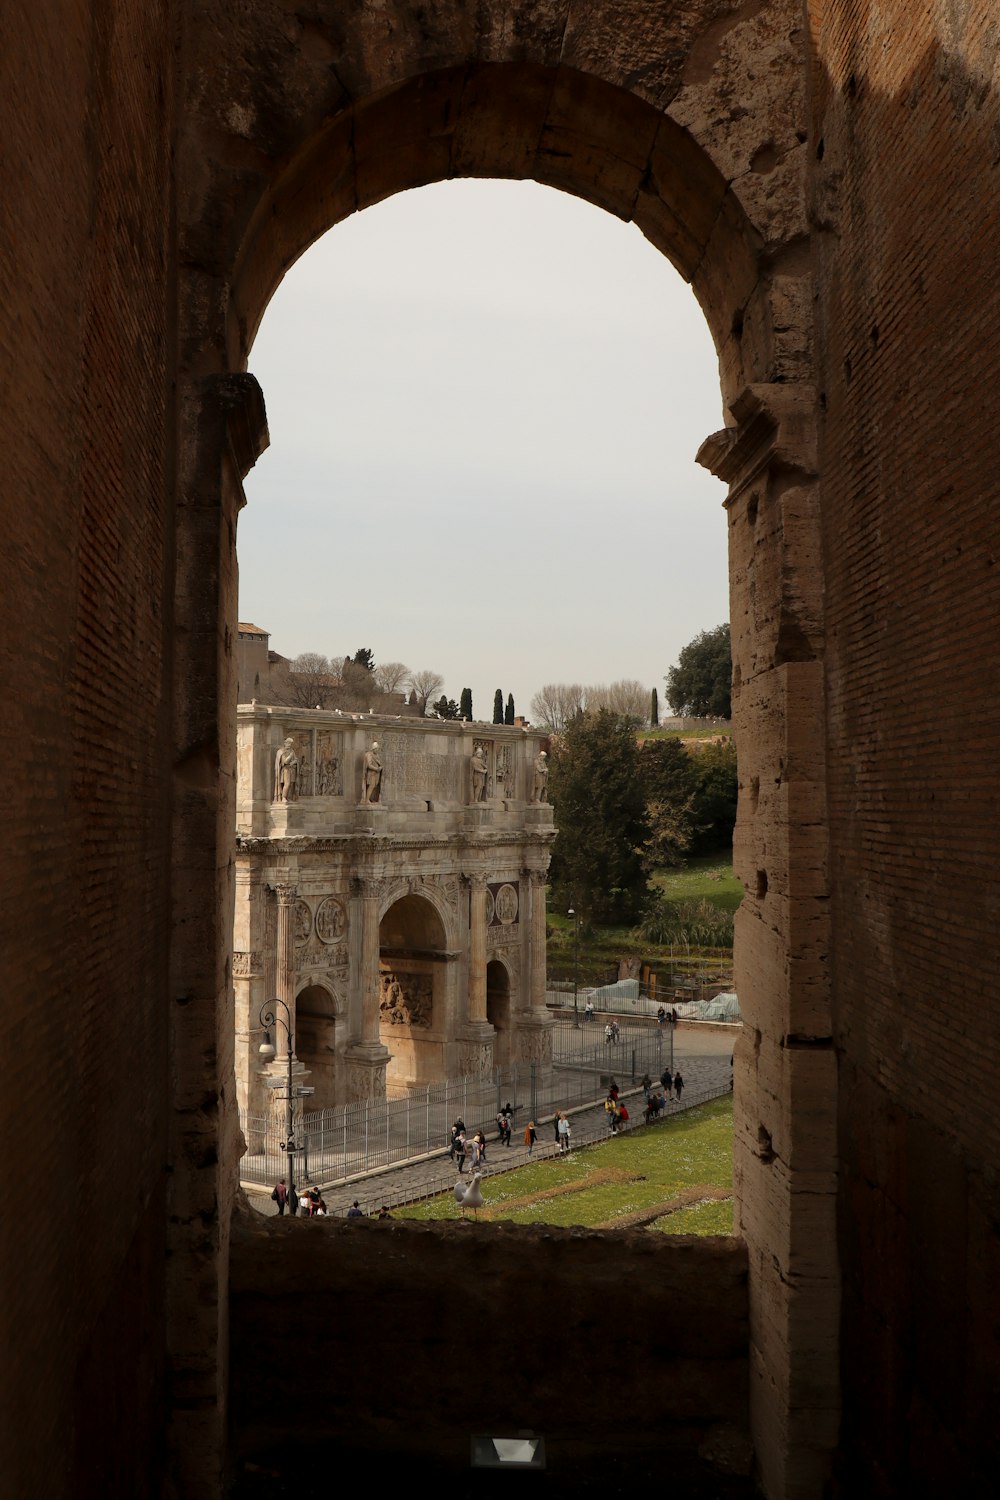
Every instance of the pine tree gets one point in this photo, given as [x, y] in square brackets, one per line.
[654, 710]
[509, 715]
[498, 707]
[465, 704]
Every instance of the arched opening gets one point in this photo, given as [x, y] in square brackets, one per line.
[316, 1044]
[498, 1010]
[591, 122]
[413, 999]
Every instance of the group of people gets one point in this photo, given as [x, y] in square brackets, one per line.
[663, 1016]
[461, 1146]
[615, 1109]
[307, 1205]
[611, 1034]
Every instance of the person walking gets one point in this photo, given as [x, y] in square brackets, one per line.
[610, 1110]
[678, 1085]
[564, 1135]
[647, 1084]
[530, 1136]
[461, 1150]
[293, 1202]
[354, 1212]
[280, 1195]
[667, 1080]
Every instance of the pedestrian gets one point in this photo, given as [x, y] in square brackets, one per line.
[588, 1011]
[530, 1136]
[678, 1085]
[609, 1034]
[280, 1195]
[623, 1117]
[480, 1140]
[555, 1123]
[667, 1080]
[647, 1084]
[315, 1201]
[613, 1088]
[293, 1202]
[457, 1129]
[564, 1134]
[461, 1151]
[384, 1213]
[661, 1016]
[354, 1212]
[609, 1110]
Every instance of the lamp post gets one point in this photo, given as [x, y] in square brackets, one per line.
[576, 966]
[267, 1054]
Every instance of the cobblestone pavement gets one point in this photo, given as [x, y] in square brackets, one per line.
[705, 1077]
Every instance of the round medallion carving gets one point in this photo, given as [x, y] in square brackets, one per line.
[331, 920]
[506, 904]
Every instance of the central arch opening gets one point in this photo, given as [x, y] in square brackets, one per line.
[414, 1000]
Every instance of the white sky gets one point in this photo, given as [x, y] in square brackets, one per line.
[484, 401]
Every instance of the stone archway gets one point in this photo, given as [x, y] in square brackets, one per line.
[316, 1044]
[413, 994]
[320, 118]
[498, 1007]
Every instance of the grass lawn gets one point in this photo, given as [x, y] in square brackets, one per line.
[708, 879]
[624, 1178]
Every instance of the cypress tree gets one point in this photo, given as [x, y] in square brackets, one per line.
[654, 710]
[509, 715]
[465, 704]
[498, 707]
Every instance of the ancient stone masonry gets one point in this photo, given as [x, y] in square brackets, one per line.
[380, 910]
[824, 176]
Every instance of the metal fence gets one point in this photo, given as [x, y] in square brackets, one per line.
[355, 1139]
[633, 1049]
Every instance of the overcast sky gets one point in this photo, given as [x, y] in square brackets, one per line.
[484, 401]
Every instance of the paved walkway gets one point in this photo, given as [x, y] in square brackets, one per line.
[705, 1078]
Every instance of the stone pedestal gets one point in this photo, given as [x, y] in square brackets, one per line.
[478, 816]
[366, 1063]
[538, 815]
[371, 817]
[534, 1037]
[475, 1049]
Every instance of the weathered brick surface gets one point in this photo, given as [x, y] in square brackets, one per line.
[908, 116]
[85, 369]
[628, 1352]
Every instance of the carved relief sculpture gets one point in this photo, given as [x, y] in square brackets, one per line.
[540, 778]
[286, 772]
[409, 1006]
[302, 921]
[371, 778]
[504, 776]
[329, 781]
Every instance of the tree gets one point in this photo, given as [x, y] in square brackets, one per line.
[424, 684]
[558, 704]
[311, 683]
[701, 682]
[508, 717]
[465, 704]
[654, 710]
[364, 658]
[390, 676]
[447, 708]
[498, 707]
[669, 780]
[598, 860]
[716, 789]
[626, 696]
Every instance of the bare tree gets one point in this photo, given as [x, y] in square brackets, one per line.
[626, 696]
[390, 676]
[425, 685]
[310, 682]
[558, 704]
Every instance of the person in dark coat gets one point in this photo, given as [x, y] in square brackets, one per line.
[678, 1085]
[280, 1195]
[667, 1080]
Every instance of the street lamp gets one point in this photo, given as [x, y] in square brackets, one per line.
[576, 966]
[267, 1054]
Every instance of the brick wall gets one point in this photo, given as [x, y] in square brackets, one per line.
[84, 431]
[906, 145]
[383, 1346]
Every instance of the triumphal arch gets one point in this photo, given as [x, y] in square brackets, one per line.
[390, 890]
